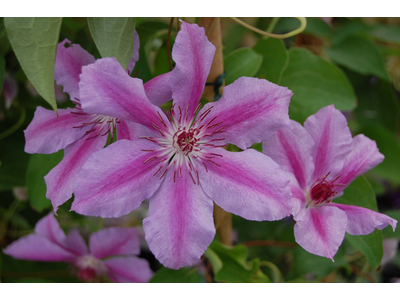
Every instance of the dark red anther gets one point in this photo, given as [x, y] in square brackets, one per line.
[323, 190]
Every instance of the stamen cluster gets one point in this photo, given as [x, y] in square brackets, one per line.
[185, 143]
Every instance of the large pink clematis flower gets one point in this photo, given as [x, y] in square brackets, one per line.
[77, 132]
[181, 165]
[322, 159]
[111, 252]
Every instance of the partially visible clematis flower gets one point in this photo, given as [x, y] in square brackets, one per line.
[77, 132]
[181, 165]
[10, 90]
[112, 251]
[322, 159]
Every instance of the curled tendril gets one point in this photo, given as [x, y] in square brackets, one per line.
[303, 24]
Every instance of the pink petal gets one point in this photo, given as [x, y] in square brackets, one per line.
[106, 89]
[128, 269]
[116, 180]
[250, 110]
[362, 221]
[49, 228]
[69, 62]
[291, 148]
[364, 156]
[180, 224]
[75, 243]
[48, 133]
[158, 89]
[60, 180]
[193, 55]
[131, 131]
[248, 184]
[37, 247]
[333, 141]
[298, 201]
[114, 241]
[321, 230]
[135, 56]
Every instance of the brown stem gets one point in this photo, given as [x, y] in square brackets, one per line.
[212, 26]
[362, 274]
[270, 243]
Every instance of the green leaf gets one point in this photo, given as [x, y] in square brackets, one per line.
[388, 231]
[359, 55]
[315, 83]
[113, 37]
[385, 33]
[241, 62]
[34, 41]
[370, 245]
[305, 262]
[360, 193]
[183, 275]
[2, 70]
[376, 101]
[38, 167]
[350, 28]
[235, 267]
[274, 60]
[315, 26]
[214, 259]
[388, 144]
[13, 165]
[2, 27]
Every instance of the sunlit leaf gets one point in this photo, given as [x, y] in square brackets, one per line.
[38, 167]
[241, 62]
[114, 37]
[315, 83]
[34, 41]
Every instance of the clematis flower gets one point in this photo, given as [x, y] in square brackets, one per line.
[112, 251]
[77, 132]
[322, 159]
[181, 165]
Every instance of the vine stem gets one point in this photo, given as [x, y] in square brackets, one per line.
[212, 26]
[303, 24]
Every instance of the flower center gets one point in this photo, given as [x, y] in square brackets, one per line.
[186, 140]
[323, 191]
[185, 144]
[90, 267]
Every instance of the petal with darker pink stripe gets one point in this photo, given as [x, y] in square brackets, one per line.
[60, 180]
[48, 133]
[249, 111]
[114, 241]
[248, 184]
[362, 221]
[333, 141]
[115, 180]
[180, 224]
[321, 230]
